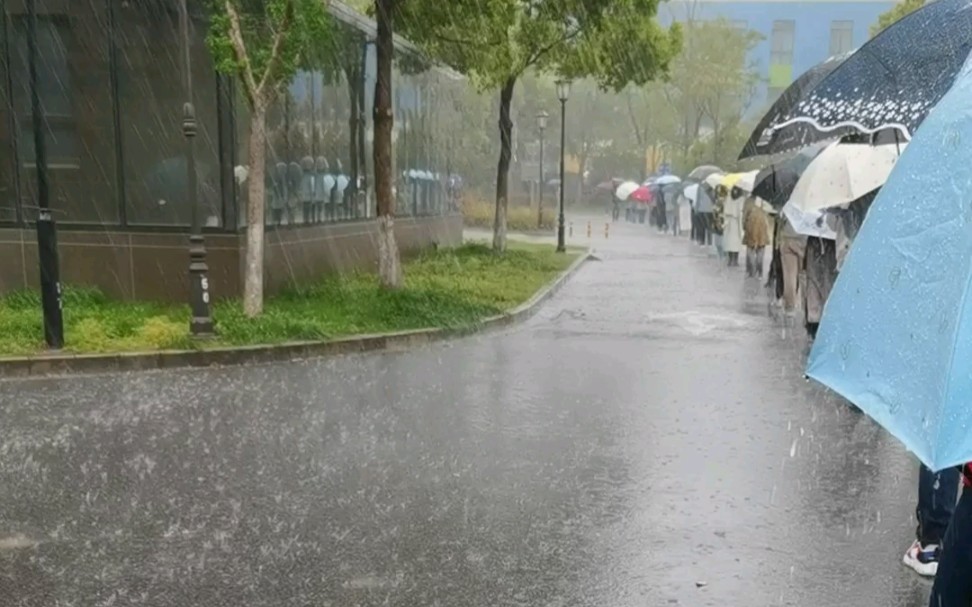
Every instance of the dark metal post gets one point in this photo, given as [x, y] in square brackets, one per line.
[201, 324]
[540, 185]
[561, 241]
[50, 272]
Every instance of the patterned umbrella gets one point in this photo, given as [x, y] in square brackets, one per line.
[895, 79]
[768, 137]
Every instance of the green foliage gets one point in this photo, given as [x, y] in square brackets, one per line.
[494, 41]
[263, 42]
[449, 288]
[896, 12]
[709, 87]
[627, 47]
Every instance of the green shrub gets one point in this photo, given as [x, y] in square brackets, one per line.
[162, 333]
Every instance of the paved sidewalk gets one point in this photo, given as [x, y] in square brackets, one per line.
[647, 439]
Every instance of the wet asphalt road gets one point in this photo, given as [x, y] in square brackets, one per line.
[646, 439]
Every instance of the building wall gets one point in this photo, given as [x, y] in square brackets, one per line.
[814, 27]
[111, 79]
[154, 267]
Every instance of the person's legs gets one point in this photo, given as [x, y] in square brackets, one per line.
[758, 261]
[953, 582]
[936, 503]
[792, 259]
[815, 296]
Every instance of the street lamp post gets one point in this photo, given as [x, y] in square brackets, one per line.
[201, 324]
[563, 91]
[50, 272]
[541, 125]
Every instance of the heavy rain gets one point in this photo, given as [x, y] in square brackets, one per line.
[485, 302]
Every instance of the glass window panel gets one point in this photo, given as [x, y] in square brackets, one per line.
[841, 37]
[75, 93]
[8, 183]
[151, 97]
[781, 42]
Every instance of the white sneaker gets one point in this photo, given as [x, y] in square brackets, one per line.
[923, 559]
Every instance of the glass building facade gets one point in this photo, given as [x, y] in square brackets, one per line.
[111, 82]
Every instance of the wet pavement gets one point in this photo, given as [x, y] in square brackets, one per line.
[646, 439]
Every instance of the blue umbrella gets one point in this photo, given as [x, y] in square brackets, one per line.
[896, 335]
[897, 77]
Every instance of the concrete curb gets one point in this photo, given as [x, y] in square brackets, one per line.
[74, 364]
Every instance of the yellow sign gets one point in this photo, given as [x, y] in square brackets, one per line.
[654, 156]
[571, 164]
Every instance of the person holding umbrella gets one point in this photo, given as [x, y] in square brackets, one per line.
[757, 236]
[897, 336]
[953, 577]
[729, 211]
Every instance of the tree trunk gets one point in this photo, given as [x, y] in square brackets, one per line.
[353, 119]
[360, 133]
[503, 167]
[581, 167]
[255, 213]
[389, 265]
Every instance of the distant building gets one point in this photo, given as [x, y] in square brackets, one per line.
[797, 34]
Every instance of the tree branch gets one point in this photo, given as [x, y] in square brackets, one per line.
[466, 42]
[543, 50]
[239, 49]
[277, 49]
[634, 121]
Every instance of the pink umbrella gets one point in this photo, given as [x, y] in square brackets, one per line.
[642, 194]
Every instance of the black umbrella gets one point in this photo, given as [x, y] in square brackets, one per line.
[775, 183]
[767, 137]
[896, 78]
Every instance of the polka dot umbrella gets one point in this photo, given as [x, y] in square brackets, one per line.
[893, 80]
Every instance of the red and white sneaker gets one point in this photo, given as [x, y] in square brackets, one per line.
[923, 559]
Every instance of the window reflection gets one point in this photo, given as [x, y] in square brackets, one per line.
[8, 184]
[78, 126]
[151, 93]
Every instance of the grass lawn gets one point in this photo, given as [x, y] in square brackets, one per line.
[446, 288]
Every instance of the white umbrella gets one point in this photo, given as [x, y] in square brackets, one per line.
[842, 173]
[626, 189]
[808, 223]
[691, 192]
[714, 179]
[667, 179]
[747, 182]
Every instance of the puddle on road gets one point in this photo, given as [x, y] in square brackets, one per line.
[698, 323]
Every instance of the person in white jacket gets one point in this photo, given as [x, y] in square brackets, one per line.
[732, 228]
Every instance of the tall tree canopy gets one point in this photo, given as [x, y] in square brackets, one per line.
[495, 42]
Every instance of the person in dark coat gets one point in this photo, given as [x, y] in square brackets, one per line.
[953, 580]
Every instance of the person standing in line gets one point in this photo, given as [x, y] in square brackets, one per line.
[671, 209]
[732, 228]
[937, 492]
[953, 577]
[756, 236]
[821, 270]
[793, 249]
[717, 221]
